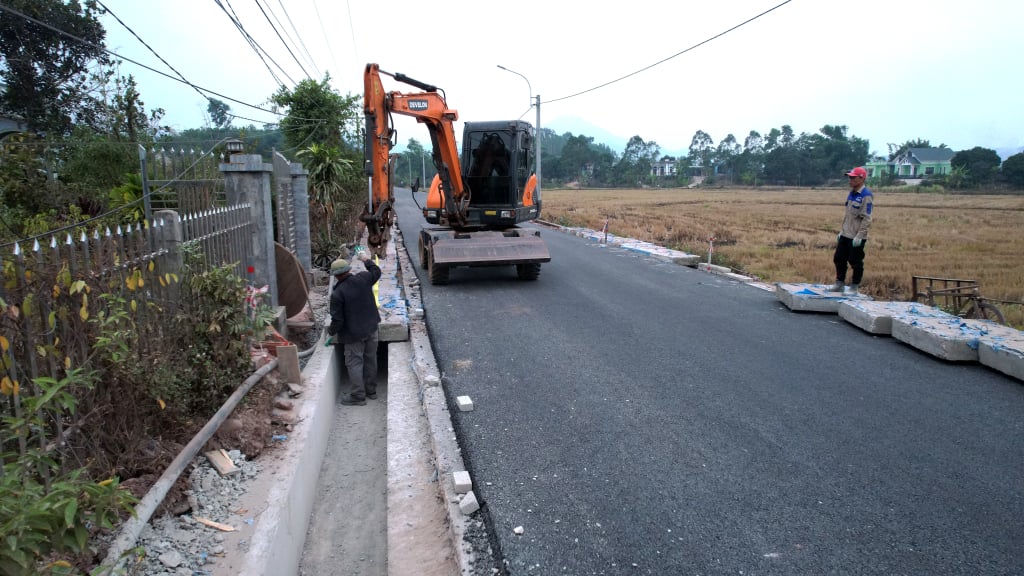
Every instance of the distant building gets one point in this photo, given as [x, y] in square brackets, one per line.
[914, 163]
[663, 168]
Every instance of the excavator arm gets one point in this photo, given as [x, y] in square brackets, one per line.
[427, 107]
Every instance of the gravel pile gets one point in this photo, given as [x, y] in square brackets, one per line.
[182, 545]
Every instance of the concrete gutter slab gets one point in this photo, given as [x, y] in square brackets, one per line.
[1003, 349]
[285, 491]
[954, 339]
[394, 313]
[876, 317]
[813, 297]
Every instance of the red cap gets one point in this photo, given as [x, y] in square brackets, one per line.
[859, 172]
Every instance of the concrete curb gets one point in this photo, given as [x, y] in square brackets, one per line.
[447, 454]
[277, 536]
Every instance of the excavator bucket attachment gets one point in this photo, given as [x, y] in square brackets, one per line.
[488, 248]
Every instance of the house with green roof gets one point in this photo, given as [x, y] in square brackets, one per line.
[914, 164]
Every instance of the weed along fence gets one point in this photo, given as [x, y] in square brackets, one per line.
[55, 293]
[52, 284]
[83, 297]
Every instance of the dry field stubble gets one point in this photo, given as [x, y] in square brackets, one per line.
[788, 235]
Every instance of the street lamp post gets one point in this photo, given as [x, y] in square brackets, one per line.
[532, 104]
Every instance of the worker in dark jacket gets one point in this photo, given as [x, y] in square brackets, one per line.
[354, 321]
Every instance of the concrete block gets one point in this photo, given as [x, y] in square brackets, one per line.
[737, 277]
[876, 317]
[812, 297]
[953, 338]
[468, 504]
[1003, 350]
[288, 364]
[465, 403]
[280, 322]
[686, 259]
[713, 268]
[463, 483]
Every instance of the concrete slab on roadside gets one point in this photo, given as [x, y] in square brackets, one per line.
[951, 338]
[1003, 349]
[876, 317]
[813, 297]
[394, 313]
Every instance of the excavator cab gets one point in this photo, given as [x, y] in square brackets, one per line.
[496, 162]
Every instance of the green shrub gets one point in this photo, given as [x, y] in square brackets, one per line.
[43, 509]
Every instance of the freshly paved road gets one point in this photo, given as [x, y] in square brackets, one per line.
[639, 417]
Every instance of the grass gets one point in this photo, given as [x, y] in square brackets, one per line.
[788, 235]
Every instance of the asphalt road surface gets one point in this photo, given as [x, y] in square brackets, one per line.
[635, 416]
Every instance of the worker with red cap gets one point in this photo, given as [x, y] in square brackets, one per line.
[854, 234]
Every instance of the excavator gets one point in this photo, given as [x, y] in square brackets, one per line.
[475, 202]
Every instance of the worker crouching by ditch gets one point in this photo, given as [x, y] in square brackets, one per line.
[354, 322]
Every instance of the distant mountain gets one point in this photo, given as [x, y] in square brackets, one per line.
[1005, 153]
[578, 126]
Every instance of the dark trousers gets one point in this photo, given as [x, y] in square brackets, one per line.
[847, 253]
[361, 363]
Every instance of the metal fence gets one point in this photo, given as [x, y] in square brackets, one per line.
[51, 291]
[54, 287]
[182, 178]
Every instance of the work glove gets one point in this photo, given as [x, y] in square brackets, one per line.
[838, 236]
[363, 255]
[857, 241]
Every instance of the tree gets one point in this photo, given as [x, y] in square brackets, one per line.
[981, 164]
[1013, 170]
[576, 154]
[701, 147]
[45, 71]
[753, 143]
[635, 165]
[317, 114]
[786, 138]
[771, 141]
[726, 153]
[327, 179]
[748, 163]
[219, 113]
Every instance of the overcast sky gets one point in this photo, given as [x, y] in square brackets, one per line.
[891, 70]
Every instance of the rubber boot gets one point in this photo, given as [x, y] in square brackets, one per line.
[837, 287]
[854, 289]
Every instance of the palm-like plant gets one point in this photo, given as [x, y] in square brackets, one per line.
[326, 179]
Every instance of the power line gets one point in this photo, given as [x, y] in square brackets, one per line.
[252, 42]
[326, 39]
[286, 46]
[128, 28]
[352, 30]
[309, 57]
[662, 61]
[151, 69]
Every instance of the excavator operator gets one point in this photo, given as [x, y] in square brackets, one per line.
[490, 158]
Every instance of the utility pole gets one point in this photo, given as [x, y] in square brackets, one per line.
[539, 147]
[537, 139]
